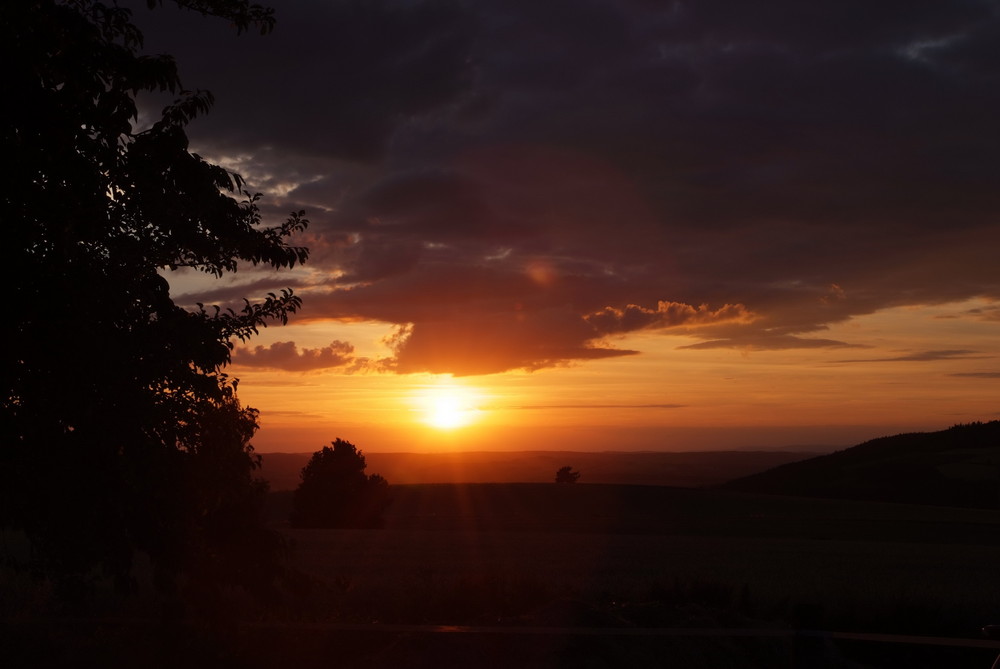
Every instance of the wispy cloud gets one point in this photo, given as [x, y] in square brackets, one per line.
[765, 342]
[986, 313]
[926, 356]
[611, 320]
[600, 406]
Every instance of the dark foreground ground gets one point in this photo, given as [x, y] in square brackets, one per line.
[543, 575]
[308, 648]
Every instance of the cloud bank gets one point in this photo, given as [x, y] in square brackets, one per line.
[517, 184]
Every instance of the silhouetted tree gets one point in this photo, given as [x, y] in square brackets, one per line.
[335, 492]
[567, 475]
[118, 429]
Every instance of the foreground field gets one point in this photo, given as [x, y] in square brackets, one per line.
[656, 557]
[482, 553]
[546, 575]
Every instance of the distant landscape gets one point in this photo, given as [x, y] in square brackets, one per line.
[800, 546]
[959, 466]
[618, 566]
[686, 469]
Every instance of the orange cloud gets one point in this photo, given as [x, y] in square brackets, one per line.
[487, 346]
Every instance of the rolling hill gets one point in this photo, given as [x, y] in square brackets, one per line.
[959, 466]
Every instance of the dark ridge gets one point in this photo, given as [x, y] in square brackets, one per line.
[959, 466]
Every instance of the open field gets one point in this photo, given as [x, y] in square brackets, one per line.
[655, 557]
[546, 575]
[882, 567]
[614, 509]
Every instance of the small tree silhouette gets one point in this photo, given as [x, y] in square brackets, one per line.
[567, 475]
[335, 492]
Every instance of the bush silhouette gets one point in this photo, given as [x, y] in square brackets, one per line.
[335, 492]
[567, 475]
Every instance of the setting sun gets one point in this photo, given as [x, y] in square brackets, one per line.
[448, 407]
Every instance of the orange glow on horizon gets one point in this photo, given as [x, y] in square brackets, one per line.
[905, 371]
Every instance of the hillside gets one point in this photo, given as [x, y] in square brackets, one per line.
[686, 469]
[959, 466]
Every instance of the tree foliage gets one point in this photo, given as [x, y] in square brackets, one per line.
[567, 475]
[335, 492]
[119, 431]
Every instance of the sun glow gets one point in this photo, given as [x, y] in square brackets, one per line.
[448, 407]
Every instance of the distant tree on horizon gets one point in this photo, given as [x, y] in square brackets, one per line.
[567, 475]
[336, 492]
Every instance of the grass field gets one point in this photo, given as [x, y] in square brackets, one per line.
[527, 564]
[665, 556]
[655, 557]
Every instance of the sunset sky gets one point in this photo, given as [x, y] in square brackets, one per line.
[613, 225]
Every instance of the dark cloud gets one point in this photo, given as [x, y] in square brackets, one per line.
[985, 314]
[666, 314]
[512, 183]
[285, 355]
[978, 375]
[927, 356]
[334, 79]
[601, 406]
[767, 342]
[839, 25]
[229, 295]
